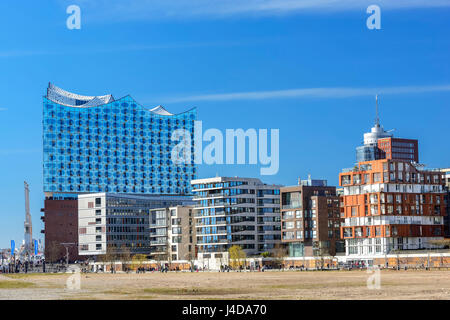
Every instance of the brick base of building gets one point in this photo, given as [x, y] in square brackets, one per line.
[432, 260]
[409, 261]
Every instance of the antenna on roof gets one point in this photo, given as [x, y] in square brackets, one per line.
[377, 118]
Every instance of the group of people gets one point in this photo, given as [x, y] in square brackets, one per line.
[25, 266]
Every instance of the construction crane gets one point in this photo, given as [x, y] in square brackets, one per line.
[28, 228]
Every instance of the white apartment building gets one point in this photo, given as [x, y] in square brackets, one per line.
[115, 221]
[172, 234]
[235, 211]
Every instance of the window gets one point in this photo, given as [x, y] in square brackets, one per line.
[366, 178]
[291, 200]
[288, 235]
[348, 232]
[288, 215]
[377, 231]
[288, 225]
[346, 179]
[98, 202]
[376, 177]
[176, 230]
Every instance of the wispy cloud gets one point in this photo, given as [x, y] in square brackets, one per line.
[337, 92]
[10, 152]
[3, 109]
[162, 9]
[131, 48]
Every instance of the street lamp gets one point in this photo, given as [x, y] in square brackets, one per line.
[67, 245]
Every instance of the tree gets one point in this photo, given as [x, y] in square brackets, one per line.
[279, 253]
[237, 256]
[443, 243]
[321, 250]
[265, 254]
[138, 260]
[53, 251]
[124, 256]
[191, 259]
[108, 257]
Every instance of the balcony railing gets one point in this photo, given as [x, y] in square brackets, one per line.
[292, 206]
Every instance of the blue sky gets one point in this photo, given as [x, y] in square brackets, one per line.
[242, 64]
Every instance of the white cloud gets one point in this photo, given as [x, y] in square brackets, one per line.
[162, 9]
[129, 48]
[8, 152]
[3, 109]
[339, 92]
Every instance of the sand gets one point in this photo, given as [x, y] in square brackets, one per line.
[334, 285]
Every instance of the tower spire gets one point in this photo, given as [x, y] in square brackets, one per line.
[377, 118]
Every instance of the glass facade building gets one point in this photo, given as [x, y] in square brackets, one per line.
[367, 153]
[99, 144]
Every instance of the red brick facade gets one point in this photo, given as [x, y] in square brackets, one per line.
[61, 226]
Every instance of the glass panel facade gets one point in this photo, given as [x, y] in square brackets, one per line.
[118, 147]
[296, 249]
[367, 153]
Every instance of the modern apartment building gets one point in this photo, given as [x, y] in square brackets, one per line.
[310, 219]
[391, 205]
[101, 144]
[446, 173]
[118, 222]
[236, 211]
[172, 234]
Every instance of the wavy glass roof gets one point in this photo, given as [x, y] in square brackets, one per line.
[70, 99]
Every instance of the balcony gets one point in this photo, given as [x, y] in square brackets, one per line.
[213, 195]
[292, 206]
[158, 243]
[215, 204]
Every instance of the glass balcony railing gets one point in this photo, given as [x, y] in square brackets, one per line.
[292, 206]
